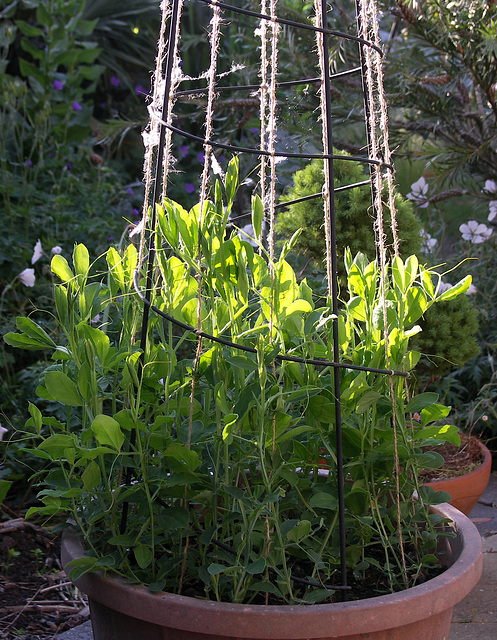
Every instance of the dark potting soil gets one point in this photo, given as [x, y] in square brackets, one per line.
[36, 599]
[459, 460]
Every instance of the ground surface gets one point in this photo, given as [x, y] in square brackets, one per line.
[36, 599]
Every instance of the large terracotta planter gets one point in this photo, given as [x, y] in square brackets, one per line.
[120, 611]
[466, 490]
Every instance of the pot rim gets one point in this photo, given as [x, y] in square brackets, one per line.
[278, 621]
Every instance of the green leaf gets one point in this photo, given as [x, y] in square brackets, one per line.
[33, 330]
[215, 568]
[22, 341]
[57, 441]
[232, 180]
[433, 413]
[322, 409]
[256, 567]
[429, 460]
[357, 308]
[176, 518]
[143, 555]
[61, 303]
[107, 431]
[257, 215]
[4, 488]
[30, 71]
[91, 476]
[81, 260]
[367, 400]
[417, 303]
[292, 433]
[265, 587]
[427, 283]
[80, 566]
[420, 402]
[60, 267]
[243, 362]
[62, 389]
[28, 29]
[300, 531]
[461, 287]
[183, 455]
[323, 500]
[116, 267]
[399, 273]
[35, 413]
[444, 433]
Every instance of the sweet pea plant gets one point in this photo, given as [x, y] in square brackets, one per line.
[192, 465]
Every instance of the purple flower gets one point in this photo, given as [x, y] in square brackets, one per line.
[57, 84]
[129, 191]
[76, 106]
[255, 130]
[135, 212]
[184, 151]
[115, 81]
[110, 238]
[200, 157]
[189, 187]
[29, 163]
[221, 159]
[140, 90]
[69, 166]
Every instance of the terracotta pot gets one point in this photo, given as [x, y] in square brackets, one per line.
[466, 490]
[120, 611]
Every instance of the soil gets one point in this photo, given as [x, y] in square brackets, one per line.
[36, 599]
[458, 460]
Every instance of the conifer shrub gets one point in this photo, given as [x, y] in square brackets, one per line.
[448, 337]
[353, 215]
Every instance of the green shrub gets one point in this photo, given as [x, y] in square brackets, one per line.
[448, 339]
[353, 214]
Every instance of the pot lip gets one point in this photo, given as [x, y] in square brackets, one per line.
[360, 616]
[480, 469]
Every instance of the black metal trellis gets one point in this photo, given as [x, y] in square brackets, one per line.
[164, 120]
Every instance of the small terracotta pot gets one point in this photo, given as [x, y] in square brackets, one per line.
[466, 490]
[120, 611]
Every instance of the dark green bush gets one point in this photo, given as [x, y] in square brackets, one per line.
[448, 339]
[353, 214]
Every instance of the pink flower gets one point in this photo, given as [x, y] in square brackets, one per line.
[37, 252]
[475, 232]
[27, 277]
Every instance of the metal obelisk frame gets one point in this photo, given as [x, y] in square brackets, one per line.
[159, 153]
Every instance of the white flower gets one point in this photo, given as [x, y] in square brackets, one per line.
[443, 286]
[471, 290]
[55, 251]
[37, 252]
[475, 232]
[28, 277]
[490, 186]
[429, 243]
[492, 205]
[3, 430]
[419, 193]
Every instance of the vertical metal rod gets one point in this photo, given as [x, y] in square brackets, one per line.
[329, 168]
[151, 250]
